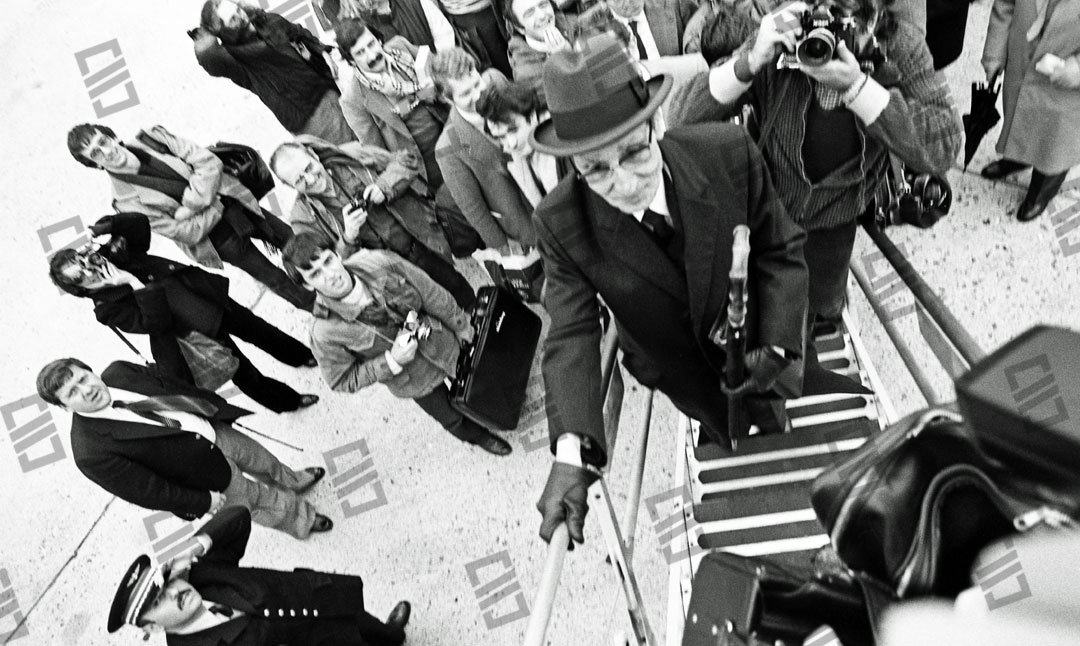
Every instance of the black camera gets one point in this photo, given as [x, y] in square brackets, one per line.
[919, 199]
[824, 26]
[417, 326]
[360, 203]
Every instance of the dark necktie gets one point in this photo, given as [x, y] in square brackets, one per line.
[642, 55]
[151, 407]
[221, 611]
[658, 226]
[535, 176]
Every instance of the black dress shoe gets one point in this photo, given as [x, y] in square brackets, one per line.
[399, 616]
[307, 400]
[318, 473]
[1002, 168]
[495, 444]
[1040, 191]
[321, 524]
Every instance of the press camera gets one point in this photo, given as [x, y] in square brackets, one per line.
[824, 25]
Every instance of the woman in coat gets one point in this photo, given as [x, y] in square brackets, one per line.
[1037, 43]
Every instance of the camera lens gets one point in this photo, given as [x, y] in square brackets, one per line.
[817, 48]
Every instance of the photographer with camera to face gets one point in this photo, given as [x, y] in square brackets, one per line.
[856, 83]
[378, 318]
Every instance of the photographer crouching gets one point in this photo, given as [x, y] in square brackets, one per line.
[837, 87]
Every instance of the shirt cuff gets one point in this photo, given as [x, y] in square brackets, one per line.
[568, 449]
[205, 541]
[423, 53]
[394, 366]
[724, 85]
[870, 102]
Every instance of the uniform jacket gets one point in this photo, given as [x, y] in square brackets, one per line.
[663, 312]
[1042, 120]
[279, 607]
[475, 172]
[397, 174]
[176, 299]
[187, 223]
[147, 464]
[351, 353]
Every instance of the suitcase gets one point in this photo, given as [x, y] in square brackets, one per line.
[493, 372]
[1023, 403]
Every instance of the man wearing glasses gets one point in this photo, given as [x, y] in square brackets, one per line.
[206, 598]
[646, 223]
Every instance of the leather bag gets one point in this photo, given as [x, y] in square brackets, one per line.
[915, 505]
[246, 165]
[211, 363]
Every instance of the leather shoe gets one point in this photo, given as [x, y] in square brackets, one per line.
[1002, 168]
[317, 474]
[307, 400]
[321, 524]
[1040, 191]
[495, 445]
[399, 616]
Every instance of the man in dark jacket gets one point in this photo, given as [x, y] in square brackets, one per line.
[140, 293]
[362, 196]
[164, 445]
[206, 598]
[278, 61]
[647, 223]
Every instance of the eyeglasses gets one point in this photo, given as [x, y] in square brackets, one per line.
[99, 147]
[633, 158]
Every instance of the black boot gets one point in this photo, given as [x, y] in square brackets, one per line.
[1042, 189]
[1002, 168]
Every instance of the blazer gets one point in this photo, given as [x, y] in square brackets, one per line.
[147, 464]
[187, 223]
[664, 312]
[279, 607]
[476, 175]
[667, 22]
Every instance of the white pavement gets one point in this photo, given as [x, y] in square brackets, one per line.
[64, 543]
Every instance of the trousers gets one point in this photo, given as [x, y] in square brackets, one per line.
[240, 252]
[437, 404]
[270, 492]
[244, 324]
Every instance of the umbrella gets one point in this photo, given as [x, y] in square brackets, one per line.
[982, 118]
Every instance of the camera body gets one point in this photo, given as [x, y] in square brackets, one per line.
[824, 26]
[417, 326]
[361, 203]
[918, 199]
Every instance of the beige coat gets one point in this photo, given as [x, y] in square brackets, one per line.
[187, 223]
[1042, 121]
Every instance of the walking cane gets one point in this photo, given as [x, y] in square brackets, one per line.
[735, 368]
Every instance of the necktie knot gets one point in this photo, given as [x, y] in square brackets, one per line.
[658, 225]
[221, 611]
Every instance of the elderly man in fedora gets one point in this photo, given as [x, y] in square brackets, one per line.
[646, 222]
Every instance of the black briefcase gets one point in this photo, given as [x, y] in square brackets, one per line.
[494, 371]
[1023, 402]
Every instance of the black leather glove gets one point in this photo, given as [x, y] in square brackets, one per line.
[103, 226]
[763, 367]
[565, 498]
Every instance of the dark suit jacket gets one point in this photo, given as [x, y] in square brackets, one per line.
[474, 171]
[664, 312]
[265, 596]
[177, 298]
[147, 464]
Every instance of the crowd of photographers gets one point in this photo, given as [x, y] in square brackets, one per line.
[436, 130]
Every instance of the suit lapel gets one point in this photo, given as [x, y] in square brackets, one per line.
[632, 246]
[706, 243]
[379, 107]
[123, 430]
[663, 27]
[485, 155]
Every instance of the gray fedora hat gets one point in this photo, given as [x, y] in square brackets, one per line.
[595, 96]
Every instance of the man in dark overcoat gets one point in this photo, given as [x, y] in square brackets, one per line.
[206, 598]
[646, 223]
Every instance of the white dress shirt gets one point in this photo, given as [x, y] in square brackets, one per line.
[442, 32]
[188, 422]
[644, 33]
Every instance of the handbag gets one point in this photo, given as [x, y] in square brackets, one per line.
[211, 363]
[914, 506]
[745, 601]
[246, 165]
